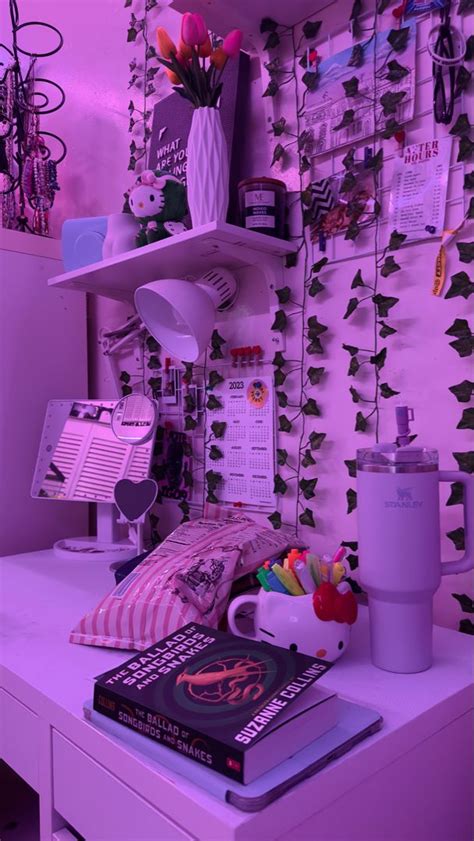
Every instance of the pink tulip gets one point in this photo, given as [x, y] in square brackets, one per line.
[232, 43]
[193, 29]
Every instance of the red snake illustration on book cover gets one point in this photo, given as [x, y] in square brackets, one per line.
[234, 680]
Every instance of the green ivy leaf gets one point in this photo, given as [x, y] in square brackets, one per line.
[466, 149]
[352, 305]
[379, 358]
[396, 240]
[131, 34]
[382, 5]
[470, 210]
[463, 77]
[291, 260]
[375, 163]
[155, 383]
[351, 497]
[463, 391]
[384, 303]
[307, 487]
[278, 153]
[459, 328]
[212, 498]
[353, 561]
[307, 460]
[466, 251]
[187, 480]
[356, 398]
[457, 536]
[189, 404]
[467, 419]
[350, 544]
[354, 585]
[310, 80]
[152, 344]
[213, 403]
[351, 86]
[282, 399]
[215, 454]
[284, 424]
[351, 465]
[268, 25]
[279, 377]
[465, 461]
[357, 280]
[353, 231]
[314, 348]
[351, 349]
[389, 266]
[464, 347]
[456, 496]
[190, 423]
[466, 626]
[315, 328]
[467, 604]
[461, 286]
[213, 479]
[282, 457]
[126, 390]
[391, 100]
[279, 127]
[385, 330]
[316, 267]
[348, 183]
[386, 391]
[469, 54]
[307, 519]
[283, 294]
[272, 88]
[392, 126]
[125, 377]
[280, 321]
[217, 340]
[315, 374]
[311, 408]
[398, 38]
[469, 177]
[278, 360]
[353, 367]
[357, 56]
[218, 428]
[154, 362]
[311, 29]
[215, 379]
[216, 354]
[272, 41]
[361, 423]
[348, 160]
[275, 520]
[316, 439]
[347, 119]
[279, 485]
[396, 71]
[316, 287]
[461, 127]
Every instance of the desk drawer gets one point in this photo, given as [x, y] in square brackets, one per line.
[101, 807]
[19, 738]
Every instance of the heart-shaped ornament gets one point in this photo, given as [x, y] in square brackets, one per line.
[134, 499]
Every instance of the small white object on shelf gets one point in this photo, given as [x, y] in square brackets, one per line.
[191, 253]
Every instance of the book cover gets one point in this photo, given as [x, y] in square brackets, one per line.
[207, 694]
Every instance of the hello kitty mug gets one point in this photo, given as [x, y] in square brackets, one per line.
[294, 621]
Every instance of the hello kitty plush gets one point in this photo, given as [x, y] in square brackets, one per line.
[158, 202]
[318, 624]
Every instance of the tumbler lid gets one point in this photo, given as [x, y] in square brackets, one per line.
[388, 458]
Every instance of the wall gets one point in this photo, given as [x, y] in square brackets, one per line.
[93, 69]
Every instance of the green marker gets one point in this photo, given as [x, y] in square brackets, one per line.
[262, 577]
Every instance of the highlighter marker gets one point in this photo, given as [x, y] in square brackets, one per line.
[276, 585]
[262, 577]
[312, 561]
[304, 577]
[338, 572]
[339, 555]
[288, 580]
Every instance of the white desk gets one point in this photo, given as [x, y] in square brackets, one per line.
[410, 782]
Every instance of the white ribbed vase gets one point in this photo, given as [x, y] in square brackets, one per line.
[207, 172]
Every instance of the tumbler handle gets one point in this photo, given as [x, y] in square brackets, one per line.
[236, 605]
[467, 561]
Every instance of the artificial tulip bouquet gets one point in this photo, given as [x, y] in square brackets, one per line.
[186, 67]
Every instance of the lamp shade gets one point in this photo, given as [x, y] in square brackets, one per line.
[179, 314]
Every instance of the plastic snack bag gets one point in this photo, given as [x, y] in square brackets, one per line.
[186, 579]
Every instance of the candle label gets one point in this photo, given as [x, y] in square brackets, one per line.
[260, 209]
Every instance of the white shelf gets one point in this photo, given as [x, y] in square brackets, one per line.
[189, 254]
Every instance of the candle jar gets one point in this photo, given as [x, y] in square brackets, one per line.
[262, 205]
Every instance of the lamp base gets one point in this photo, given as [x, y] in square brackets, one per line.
[91, 548]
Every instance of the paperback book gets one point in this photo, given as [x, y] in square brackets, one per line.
[234, 705]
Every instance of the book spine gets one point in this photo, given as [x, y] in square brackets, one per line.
[170, 733]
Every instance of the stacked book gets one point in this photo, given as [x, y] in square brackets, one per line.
[236, 706]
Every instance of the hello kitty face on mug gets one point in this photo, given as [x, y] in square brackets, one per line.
[317, 624]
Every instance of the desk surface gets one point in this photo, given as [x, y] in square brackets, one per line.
[42, 598]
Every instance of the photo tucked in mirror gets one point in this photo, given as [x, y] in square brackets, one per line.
[80, 457]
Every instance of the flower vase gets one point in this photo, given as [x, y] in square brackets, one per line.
[207, 170]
